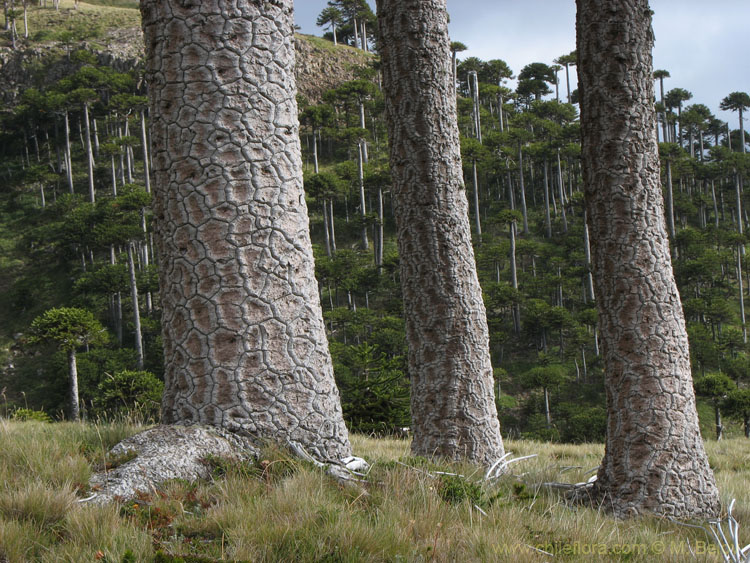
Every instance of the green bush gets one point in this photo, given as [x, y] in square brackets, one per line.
[130, 392]
[31, 414]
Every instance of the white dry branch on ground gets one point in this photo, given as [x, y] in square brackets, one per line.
[726, 534]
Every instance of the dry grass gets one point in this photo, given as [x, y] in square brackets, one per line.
[290, 511]
[89, 22]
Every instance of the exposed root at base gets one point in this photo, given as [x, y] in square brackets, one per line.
[169, 452]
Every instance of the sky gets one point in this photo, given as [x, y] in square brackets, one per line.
[702, 44]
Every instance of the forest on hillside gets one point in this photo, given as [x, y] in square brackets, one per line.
[75, 229]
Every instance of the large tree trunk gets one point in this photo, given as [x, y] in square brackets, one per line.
[453, 407]
[654, 458]
[244, 340]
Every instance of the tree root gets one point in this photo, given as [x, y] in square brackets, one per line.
[170, 452]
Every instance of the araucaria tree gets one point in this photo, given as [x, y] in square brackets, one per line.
[69, 328]
[244, 341]
[453, 408]
[654, 459]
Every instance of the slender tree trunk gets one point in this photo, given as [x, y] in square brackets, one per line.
[244, 341]
[717, 418]
[654, 458]
[362, 202]
[136, 309]
[128, 152]
[516, 309]
[327, 229]
[525, 230]
[96, 137]
[670, 202]
[453, 406]
[114, 176]
[315, 151]
[73, 384]
[742, 293]
[89, 152]
[477, 217]
[547, 218]
[561, 192]
[587, 254]
[144, 144]
[68, 159]
[333, 229]
[363, 125]
[547, 416]
[381, 234]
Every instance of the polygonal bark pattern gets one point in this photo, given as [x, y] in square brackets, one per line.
[244, 339]
[453, 405]
[654, 459]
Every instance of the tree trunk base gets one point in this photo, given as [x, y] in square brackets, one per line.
[169, 452]
[595, 495]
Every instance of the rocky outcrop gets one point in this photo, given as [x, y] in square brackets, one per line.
[320, 65]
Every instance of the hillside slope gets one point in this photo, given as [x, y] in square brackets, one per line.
[113, 33]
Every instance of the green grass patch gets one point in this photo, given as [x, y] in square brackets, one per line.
[69, 25]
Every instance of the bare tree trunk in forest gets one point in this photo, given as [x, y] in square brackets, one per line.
[136, 309]
[362, 202]
[516, 308]
[522, 187]
[654, 459]
[68, 159]
[547, 218]
[73, 385]
[561, 192]
[453, 406]
[381, 234]
[315, 151]
[95, 130]
[742, 292]
[333, 227]
[670, 202]
[327, 228]
[128, 152]
[89, 152]
[144, 144]
[477, 217]
[244, 340]
[117, 300]
[587, 254]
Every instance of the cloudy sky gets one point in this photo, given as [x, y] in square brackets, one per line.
[702, 44]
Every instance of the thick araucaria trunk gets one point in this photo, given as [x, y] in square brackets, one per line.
[453, 408]
[654, 459]
[244, 340]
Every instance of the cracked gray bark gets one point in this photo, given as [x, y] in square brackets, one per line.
[654, 459]
[244, 341]
[453, 406]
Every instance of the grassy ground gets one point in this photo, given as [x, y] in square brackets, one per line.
[89, 22]
[285, 510]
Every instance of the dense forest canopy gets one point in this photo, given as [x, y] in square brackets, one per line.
[76, 228]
